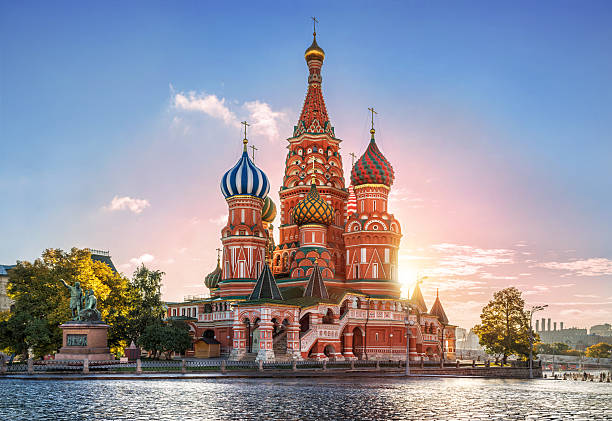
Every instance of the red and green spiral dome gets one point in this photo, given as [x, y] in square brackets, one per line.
[372, 167]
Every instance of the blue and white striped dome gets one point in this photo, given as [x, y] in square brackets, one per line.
[245, 178]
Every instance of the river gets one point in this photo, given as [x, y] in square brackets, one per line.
[301, 399]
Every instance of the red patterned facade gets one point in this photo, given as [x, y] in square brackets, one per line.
[359, 312]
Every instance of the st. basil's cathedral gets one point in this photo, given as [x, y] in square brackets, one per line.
[329, 289]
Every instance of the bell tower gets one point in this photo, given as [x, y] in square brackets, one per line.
[313, 158]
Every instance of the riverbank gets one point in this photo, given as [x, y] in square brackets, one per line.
[492, 372]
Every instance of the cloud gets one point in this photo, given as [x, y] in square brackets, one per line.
[263, 121]
[127, 203]
[144, 258]
[401, 194]
[586, 296]
[584, 267]
[219, 221]
[486, 275]
[462, 260]
[208, 104]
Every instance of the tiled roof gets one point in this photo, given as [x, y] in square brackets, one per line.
[104, 259]
[4, 268]
[266, 287]
[316, 285]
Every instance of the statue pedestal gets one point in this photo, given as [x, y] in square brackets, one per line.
[84, 340]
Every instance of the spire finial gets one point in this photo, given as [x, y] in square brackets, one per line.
[254, 149]
[372, 131]
[313, 179]
[436, 292]
[218, 256]
[245, 141]
[314, 26]
[353, 156]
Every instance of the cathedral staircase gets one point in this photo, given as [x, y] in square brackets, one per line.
[279, 344]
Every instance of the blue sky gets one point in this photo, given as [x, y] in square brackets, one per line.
[497, 118]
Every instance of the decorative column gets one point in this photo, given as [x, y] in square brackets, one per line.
[413, 349]
[266, 329]
[239, 342]
[348, 346]
[293, 341]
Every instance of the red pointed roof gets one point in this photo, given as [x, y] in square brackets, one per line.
[438, 310]
[417, 299]
[314, 118]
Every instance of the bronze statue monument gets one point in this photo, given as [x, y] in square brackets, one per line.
[83, 308]
[86, 335]
[76, 298]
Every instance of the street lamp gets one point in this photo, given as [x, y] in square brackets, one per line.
[409, 324]
[533, 310]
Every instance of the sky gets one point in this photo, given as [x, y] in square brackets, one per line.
[118, 119]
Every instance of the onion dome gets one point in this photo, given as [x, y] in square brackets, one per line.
[268, 212]
[372, 167]
[313, 210]
[245, 179]
[314, 52]
[212, 279]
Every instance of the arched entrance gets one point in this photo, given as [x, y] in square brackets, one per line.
[329, 351]
[358, 342]
[305, 322]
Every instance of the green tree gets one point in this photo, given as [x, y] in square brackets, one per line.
[600, 350]
[41, 301]
[164, 339]
[504, 326]
[147, 306]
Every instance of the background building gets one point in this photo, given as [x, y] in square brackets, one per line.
[5, 301]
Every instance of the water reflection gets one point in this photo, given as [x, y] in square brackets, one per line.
[424, 399]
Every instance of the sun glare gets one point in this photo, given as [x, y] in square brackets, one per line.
[407, 278]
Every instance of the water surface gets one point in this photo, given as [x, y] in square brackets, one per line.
[329, 399]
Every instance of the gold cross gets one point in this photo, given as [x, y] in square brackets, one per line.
[314, 25]
[245, 124]
[373, 112]
[254, 149]
[245, 141]
[353, 156]
[218, 254]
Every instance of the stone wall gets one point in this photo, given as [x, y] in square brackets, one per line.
[492, 372]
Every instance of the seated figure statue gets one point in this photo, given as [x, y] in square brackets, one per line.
[90, 313]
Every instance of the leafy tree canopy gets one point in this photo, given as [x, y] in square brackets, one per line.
[148, 307]
[600, 350]
[42, 302]
[504, 326]
[165, 339]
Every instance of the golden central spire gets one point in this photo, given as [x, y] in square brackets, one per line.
[372, 131]
[245, 141]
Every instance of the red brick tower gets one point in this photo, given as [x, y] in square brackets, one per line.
[244, 238]
[372, 234]
[313, 154]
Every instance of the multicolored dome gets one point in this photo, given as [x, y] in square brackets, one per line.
[245, 179]
[212, 279]
[268, 212]
[372, 167]
[313, 210]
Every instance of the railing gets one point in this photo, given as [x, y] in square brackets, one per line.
[199, 365]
